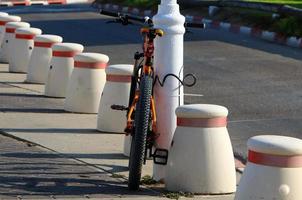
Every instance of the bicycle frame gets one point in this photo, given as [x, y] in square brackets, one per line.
[147, 70]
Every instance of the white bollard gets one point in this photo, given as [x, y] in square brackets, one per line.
[213, 10]
[3, 21]
[267, 35]
[127, 145]
[40, 58]
[3, 14]
[61, 66]
[9, 35]
[168, 58]
[274, 169]
[201, 157]
[116, 92]
[86, 84]
[21, 49]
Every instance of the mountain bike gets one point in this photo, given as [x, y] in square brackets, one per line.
[141, 111]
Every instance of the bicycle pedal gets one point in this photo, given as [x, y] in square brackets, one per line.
[119, 107]
[128, 131]
[160, 156]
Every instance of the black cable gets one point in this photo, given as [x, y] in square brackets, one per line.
[182, 82]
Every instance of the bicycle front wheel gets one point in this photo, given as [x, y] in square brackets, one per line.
[142, 122]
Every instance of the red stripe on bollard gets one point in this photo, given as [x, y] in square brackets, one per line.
[21, 3]
[64, 53]
[275, 160]
[91, 65]
[215, 24]
[197, 19]
[43, 44]
[118, 78]
[2, 23]
[25, 37]
[256, 32]
[202, 122]
[10, 30]
[56, 1]
[280, 38]
[235, 28]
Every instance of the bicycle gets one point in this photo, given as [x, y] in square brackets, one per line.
[141, 111]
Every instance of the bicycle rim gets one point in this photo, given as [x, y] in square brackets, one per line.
[138, 145]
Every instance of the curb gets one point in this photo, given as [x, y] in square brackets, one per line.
[29, 3]
[255, 32]
[250, 31]
[48, 9]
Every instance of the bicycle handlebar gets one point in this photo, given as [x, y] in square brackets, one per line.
[194, 25]
[109, 13]
[144, 19]
[120, 15]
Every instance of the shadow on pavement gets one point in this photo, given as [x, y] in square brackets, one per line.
[22, 95]
[32, 110]
[56, 130]
[110, 156]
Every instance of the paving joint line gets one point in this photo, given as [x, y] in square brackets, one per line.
[20, 87]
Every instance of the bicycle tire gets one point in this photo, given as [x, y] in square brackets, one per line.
[142, 120]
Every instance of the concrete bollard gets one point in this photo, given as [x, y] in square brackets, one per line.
[274, 169]
[213, 10]
[127, 145]
[21, 49]
[9, 35]
[21, 2]
[3, 14]
[3, 21]
[61, 66]
[86, 83]
[39, 61]
[201, 156]
[116, 92]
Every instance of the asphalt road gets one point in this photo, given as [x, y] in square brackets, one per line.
[259, 82]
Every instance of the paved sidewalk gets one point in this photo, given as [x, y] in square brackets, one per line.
[29, 172]
[26, 114]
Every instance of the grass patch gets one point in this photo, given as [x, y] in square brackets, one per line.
[148, 180]
[178, 195]
[117, 176]
[286, 25]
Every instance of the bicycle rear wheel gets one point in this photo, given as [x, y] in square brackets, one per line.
[142, 122]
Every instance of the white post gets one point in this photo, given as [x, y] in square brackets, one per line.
[168, 58]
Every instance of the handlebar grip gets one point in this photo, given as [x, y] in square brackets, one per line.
[108, 13]
[134, 18]
[194, 25]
